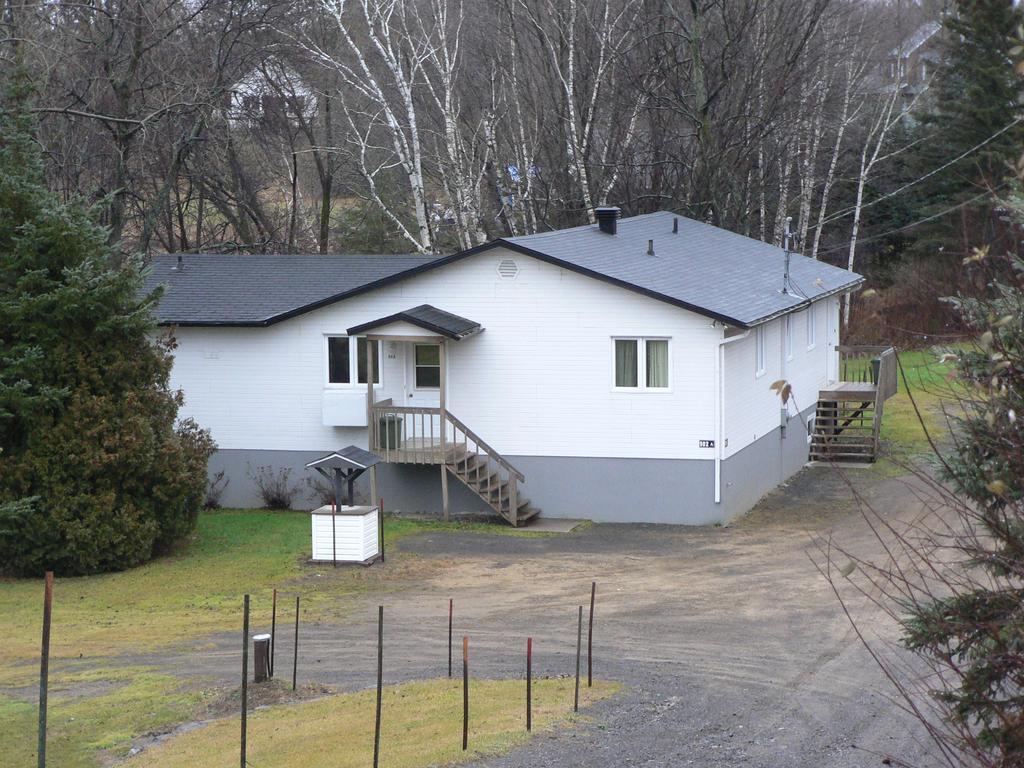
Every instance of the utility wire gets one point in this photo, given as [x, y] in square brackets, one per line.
[925, 220]
[908, 185]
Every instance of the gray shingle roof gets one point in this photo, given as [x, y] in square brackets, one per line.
[427, 317]
[707, 269]
[231, 289]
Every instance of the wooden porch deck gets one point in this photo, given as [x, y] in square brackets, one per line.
[848, 418]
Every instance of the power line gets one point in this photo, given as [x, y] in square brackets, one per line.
[908, 185]
[925, 220]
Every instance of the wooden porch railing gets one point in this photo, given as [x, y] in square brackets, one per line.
[413, 435]
[870, 365]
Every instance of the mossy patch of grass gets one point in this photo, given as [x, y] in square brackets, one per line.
[95, 715]
[421, 726]
[197, 590]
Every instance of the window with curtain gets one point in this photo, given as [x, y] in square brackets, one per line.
[428, 366]
[788, 337]
[339, 368]
[626, 362]
[657, 363]
[812, 329]
[641, 363]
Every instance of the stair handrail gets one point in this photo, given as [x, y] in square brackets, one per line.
[491, 453]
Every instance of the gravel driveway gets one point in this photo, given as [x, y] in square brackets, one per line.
[731, 647]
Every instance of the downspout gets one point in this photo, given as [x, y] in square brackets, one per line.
[720, 409]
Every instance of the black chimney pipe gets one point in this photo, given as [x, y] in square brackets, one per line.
[607, 219]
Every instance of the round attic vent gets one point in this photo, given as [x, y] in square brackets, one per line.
[508, 268]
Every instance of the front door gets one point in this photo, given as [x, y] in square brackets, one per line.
[422, 375]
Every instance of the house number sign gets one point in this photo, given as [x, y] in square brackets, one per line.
[707, 443]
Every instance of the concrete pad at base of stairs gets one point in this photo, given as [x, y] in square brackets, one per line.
[543, 524]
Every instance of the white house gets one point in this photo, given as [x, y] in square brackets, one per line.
[620, 371]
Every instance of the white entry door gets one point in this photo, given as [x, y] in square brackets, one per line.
[832, 336]
[422, 375]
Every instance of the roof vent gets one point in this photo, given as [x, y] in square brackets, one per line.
[508, 268]
[608, 218]
[650, 247]
[675, 225]
[180, 265]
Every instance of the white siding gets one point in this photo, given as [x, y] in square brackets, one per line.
[752, 408]
[537, 381]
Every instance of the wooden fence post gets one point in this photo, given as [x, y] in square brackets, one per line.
[590, 637]
[529, 684]
[273, 632]
[295, 658]
[465, 692]
[44, 666]
[245, 672]
[579, 642]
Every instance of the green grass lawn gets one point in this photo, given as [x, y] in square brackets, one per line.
[101, 697]
[421, 724]
[930, 385]
[179, 598]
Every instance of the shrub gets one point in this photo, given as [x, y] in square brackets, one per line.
[215, 490]
[275, 486]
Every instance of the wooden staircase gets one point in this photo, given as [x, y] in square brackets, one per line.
[407, 435]
[848, 419]
[485, 472]
[846, 430]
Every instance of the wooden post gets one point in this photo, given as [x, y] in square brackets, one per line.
[245, 672]
[380, 682]
[369, 391]
[579, 639]
[443, 402]
[529, 684]
[295, 657]
[375, 500]
[590, 637]
[450, 611]
[44, 666]
[273, 631]
[380, 529]
[261, 658]
[465, 692]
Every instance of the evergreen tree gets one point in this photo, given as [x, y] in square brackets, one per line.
[975, 95]
[94, 474]
[972, 628]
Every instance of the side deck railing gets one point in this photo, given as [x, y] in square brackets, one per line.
[870, 365]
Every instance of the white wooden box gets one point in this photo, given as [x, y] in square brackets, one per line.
[355, 534]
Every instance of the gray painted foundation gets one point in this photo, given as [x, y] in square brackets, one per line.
[607, 490]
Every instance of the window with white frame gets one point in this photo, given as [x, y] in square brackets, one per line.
[641, 363]
[346, 360]
[788, 336]
[812, 327]
[428, 366]
[759, 351]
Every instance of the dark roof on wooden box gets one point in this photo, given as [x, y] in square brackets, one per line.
[427, 317]
[351, 457]
[708, 270]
